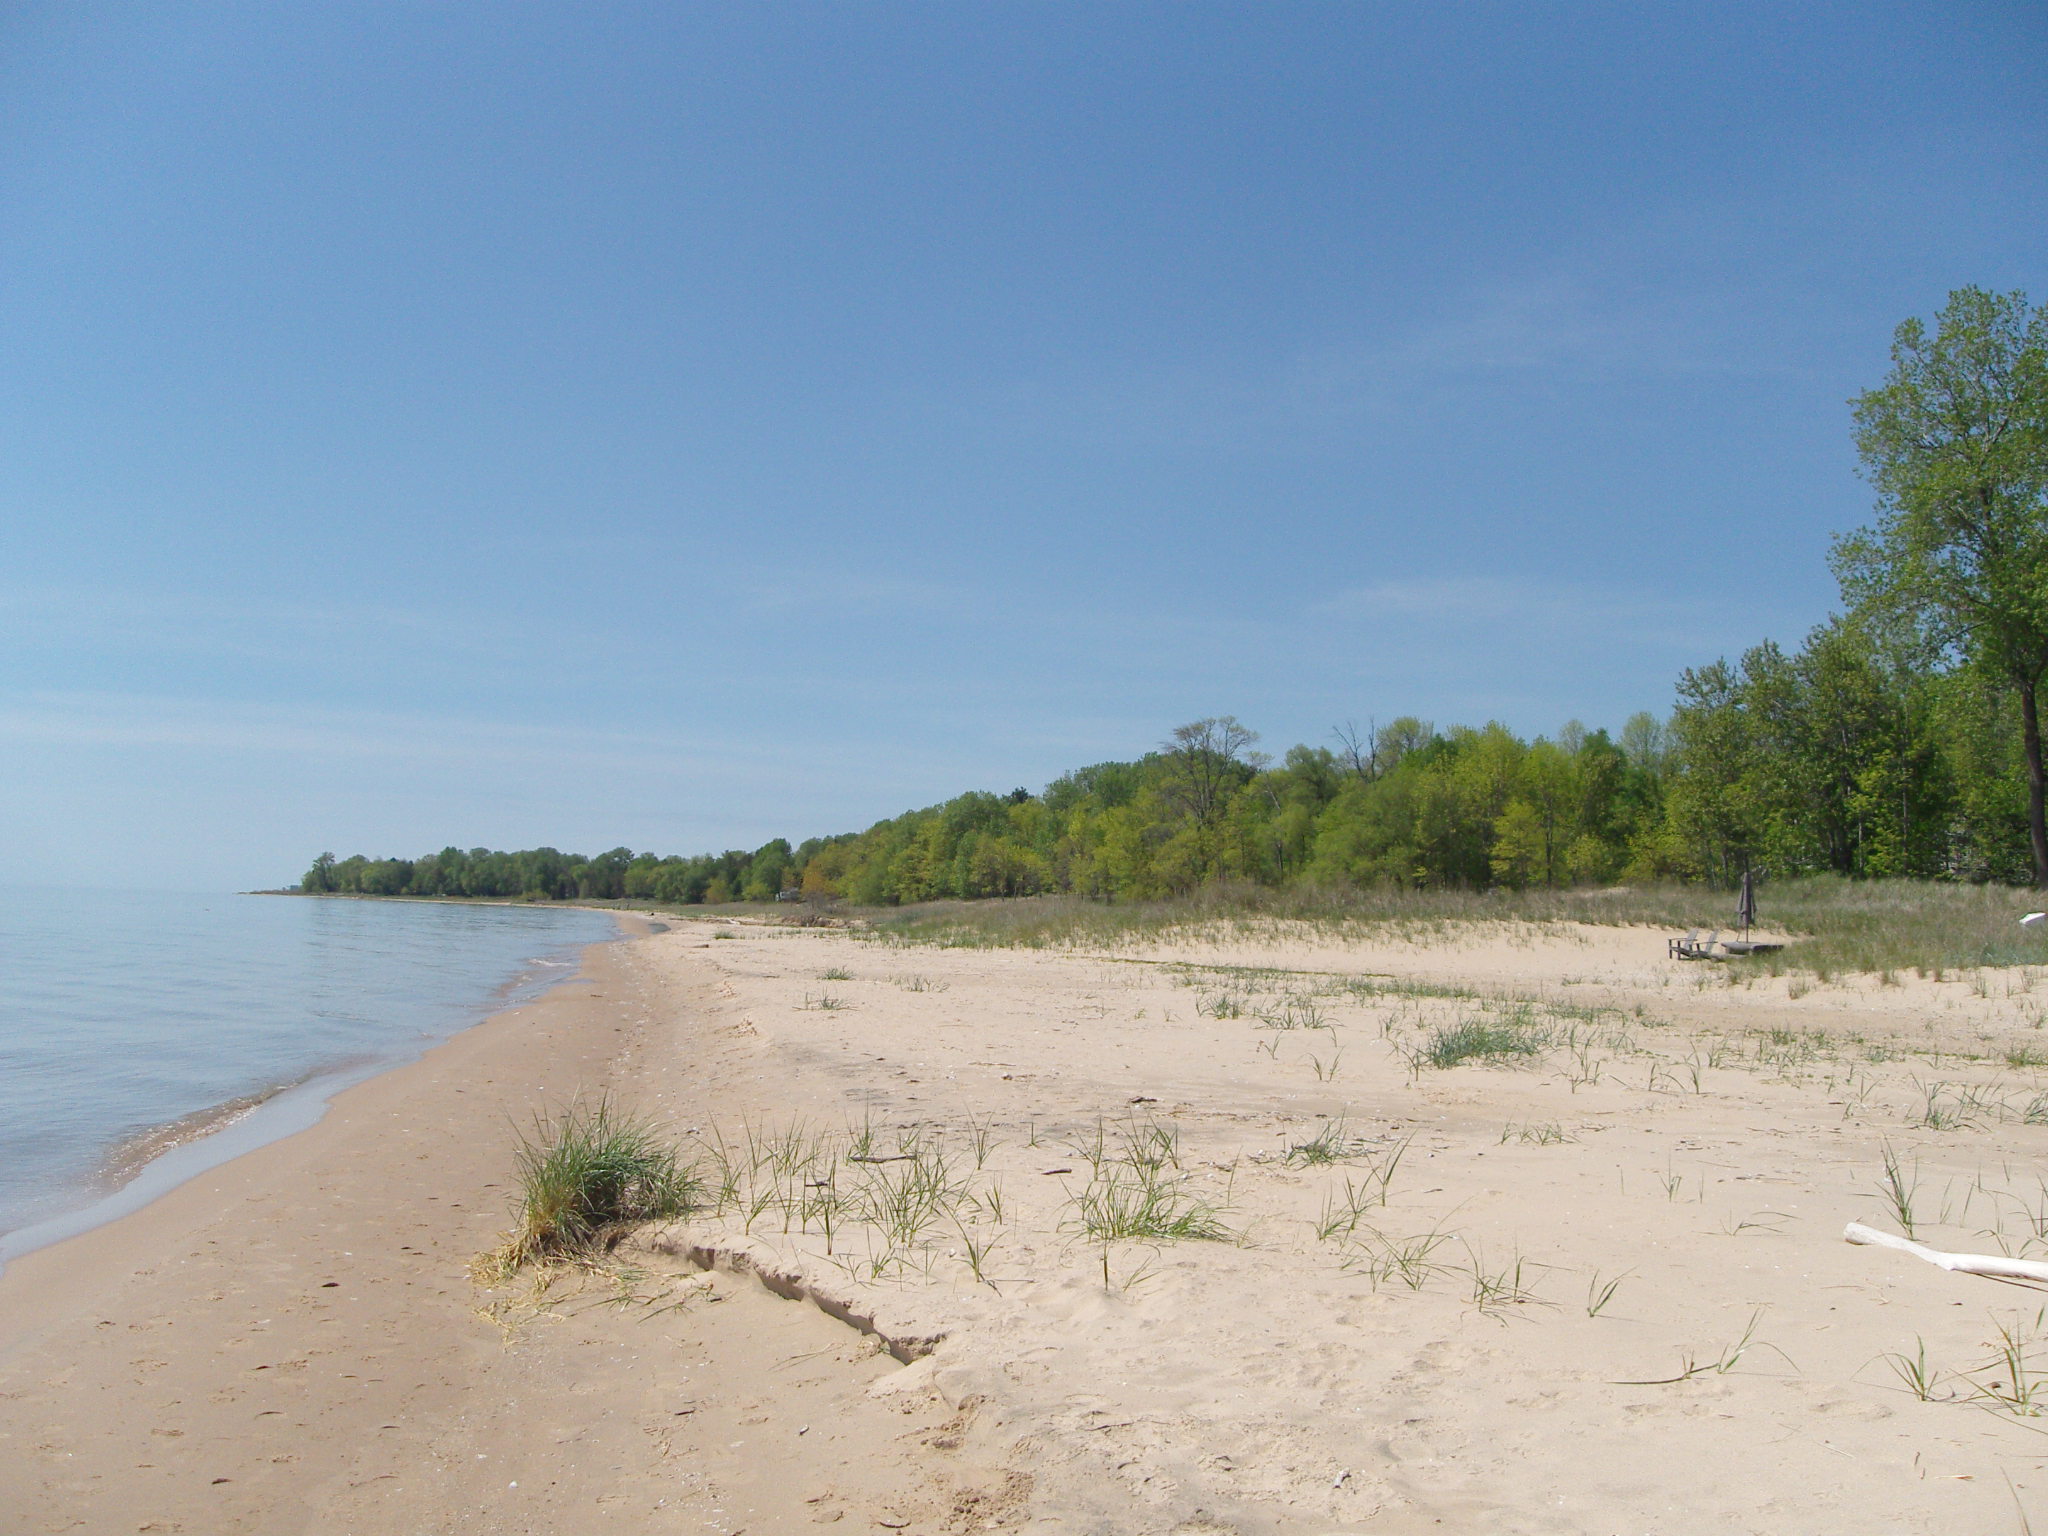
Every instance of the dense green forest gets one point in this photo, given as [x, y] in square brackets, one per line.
[1901, 738]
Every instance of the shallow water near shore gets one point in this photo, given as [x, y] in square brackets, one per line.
[145, 1036]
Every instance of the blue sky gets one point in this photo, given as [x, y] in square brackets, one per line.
[682, 425]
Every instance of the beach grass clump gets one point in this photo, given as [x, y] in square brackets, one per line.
[1488, 1040]
[2012, 1379]
[1331, 1144]
[1495, 1289]
[586, 1176]
[1410, 1260]
[1293, 1013]
[1341, 1217]
[1126, 1201]
[1547, 1133]
[878, 1210]
[1693, 1365]
[1913, 1371]
[905, 1195]
[1137, 1189]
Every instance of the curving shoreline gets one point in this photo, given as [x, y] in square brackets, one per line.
[291, 1342]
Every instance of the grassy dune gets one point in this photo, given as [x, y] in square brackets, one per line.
[1838, 926]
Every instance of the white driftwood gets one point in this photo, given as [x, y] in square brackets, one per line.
[1995, 1265]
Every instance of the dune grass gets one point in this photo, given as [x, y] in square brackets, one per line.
[1053, 921]
[1478, 1040]
[1931, 928]
[587, 1175]
[1127, 1199]
[1137, 1188]
[1837, 926]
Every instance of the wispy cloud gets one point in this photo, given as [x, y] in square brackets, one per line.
[1657, 294]
[328, 733]
[1507, 606]
[158, 622]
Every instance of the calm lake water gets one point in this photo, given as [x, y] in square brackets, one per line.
[120, 1012]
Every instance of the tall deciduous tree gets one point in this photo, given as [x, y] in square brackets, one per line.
[1204, 763]
[1205, 760]
[1956, 442]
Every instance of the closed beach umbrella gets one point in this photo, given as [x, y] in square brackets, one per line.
[1745, 904]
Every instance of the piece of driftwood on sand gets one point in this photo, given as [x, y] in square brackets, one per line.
[1994, 1265]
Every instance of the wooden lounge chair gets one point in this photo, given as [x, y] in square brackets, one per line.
[1693, 947]
[1680, 949]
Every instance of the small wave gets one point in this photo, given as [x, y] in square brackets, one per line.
[128, 1157]
[117, 1056]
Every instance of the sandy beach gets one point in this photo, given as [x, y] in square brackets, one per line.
[292, 1342]
[1593, 1285]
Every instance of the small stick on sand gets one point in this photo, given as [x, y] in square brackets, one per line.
[1994, 1265]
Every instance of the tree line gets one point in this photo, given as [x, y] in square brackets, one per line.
[1901, 738]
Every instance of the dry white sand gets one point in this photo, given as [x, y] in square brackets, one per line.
[292, 1344]
[1433, 1366]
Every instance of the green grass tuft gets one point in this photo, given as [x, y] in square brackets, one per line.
[587, 1175]
[1136, 1189]
[1477, 1040]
